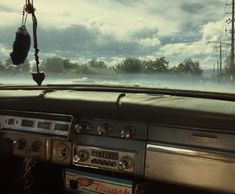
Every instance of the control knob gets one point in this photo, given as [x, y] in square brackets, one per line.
[82, 127]
[37, 146]
[81, 156]
[104, 129]
[20, 144]
[125, 163]
[128, 132]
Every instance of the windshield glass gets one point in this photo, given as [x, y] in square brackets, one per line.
[142, 43]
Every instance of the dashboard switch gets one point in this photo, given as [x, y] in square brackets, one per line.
[104, 129]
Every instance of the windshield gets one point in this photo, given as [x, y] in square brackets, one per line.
[142, 43]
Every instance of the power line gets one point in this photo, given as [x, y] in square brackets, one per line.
[232, 41]
[229, 21]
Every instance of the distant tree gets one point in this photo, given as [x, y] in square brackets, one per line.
[2, 68]
[159, 65]
[83, 69]
[68, 65]
[58, 65]
[9, 67]
[130, 65]
[188, 67]
[228, 66]
[97, 63]
[53, 64]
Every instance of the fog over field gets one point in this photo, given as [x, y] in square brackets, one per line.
[171, 44]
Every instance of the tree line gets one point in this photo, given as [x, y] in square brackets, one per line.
[128, 65]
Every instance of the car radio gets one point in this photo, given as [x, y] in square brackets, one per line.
[94, 157]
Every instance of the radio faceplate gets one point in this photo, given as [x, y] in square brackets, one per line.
[106, 159]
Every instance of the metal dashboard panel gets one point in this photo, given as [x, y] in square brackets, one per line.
[116, 127]
[127, 145]
[21, 99]
[195, 157]
[34, 144]
[88, 103]
[202, 138]
[197, 168]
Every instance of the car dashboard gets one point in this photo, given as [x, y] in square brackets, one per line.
[118, 142]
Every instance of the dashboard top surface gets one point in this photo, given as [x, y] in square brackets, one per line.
[151, 108]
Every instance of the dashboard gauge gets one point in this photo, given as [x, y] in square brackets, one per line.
[60, 151]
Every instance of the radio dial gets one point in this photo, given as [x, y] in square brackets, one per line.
[81, 156]
[125, 163]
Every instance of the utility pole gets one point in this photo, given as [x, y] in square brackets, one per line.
[232, 42]
[214, 71]
[230, 9]
[220, 62]
[221, 59]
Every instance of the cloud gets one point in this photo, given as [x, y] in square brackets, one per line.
[4, 53]
[202, 50]
[6, 9]
[113, 29]
[194, 8]
[90, 42]
[146, 33]
[213, 31]
[80, 41]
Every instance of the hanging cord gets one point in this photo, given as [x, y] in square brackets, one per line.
[29, 162]
[25, 177]
[35, 24]
[38, 76]
[24, 17]
[29, 8]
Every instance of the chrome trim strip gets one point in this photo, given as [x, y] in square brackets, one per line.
[193, 153]
[35, 128]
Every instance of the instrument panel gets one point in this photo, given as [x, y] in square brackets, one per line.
[44, 123]
[61, 139]
[125, 147]
[38, 134]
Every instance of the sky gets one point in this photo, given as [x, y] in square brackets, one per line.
[111, 30]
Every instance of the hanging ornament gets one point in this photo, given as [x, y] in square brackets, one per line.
[22, 41]
[21, 46]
